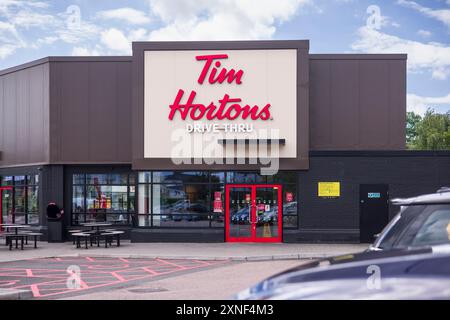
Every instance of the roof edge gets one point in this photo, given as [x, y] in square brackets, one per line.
[49, 59]
[359, 56]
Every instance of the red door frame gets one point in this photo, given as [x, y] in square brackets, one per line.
[1, 201]
[253, 237]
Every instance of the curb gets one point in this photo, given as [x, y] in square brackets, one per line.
[207, 258]
[13, 294]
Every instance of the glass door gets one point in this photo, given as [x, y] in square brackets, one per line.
[6, 205]
[253, 213]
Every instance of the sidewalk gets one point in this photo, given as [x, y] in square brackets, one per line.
[200, 251]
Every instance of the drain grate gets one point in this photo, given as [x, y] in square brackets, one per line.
[147, 290]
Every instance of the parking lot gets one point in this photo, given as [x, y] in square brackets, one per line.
[54, 278]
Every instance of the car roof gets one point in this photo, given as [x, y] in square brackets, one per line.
[441, 196]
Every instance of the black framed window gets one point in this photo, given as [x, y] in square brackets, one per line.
[22, 200]
[179, 199]
[103, 197]
[185, 199]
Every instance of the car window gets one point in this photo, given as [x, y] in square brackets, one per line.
[435, 229]
[391, 234]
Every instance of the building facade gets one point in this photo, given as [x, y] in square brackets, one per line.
[175, 143]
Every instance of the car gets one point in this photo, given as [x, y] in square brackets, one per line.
[418, 273]
[422, 220]
[240, 215]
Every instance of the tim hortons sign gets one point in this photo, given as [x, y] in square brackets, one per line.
[226, 107]
[213, 95]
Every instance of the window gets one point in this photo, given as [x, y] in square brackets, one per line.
[179, 199]
[103, 197]
[290, 206]
[185, 199]
[22, 199]
[436, 228]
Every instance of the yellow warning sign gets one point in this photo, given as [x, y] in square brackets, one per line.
[329, 189]
[267, 233]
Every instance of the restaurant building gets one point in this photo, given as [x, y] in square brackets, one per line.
[247, 141]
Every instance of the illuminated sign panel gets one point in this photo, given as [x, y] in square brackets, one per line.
[209, 94]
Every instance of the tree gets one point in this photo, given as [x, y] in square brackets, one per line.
[433, 132]
[412, 120]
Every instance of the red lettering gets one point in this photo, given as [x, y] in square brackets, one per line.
[224, 74]
[229, 108]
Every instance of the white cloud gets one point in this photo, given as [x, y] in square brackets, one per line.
[221, 19]
[432, 56]
[82, 51]
[129, 15]
[27, 19]
[442, 15]
[10, 39]
[424, 33]
[420, 104]
[116, 41]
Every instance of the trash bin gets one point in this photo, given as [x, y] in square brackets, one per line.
[55, 225]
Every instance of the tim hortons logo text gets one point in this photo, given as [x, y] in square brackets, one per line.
[227, 107]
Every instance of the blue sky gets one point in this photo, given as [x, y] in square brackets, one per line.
[32, 29]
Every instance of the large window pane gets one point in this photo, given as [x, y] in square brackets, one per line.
[96, 179]
[107, 198]
[177, 202]
[33, 179]
[115, 178]
[33, 218]
[217, 177]
[7, 181]
[145, 177]
[19, 218]
[20, 180]
[180, 221]
[132, 199]
[217, 205]
[181, 177]
[290, 204]
[19, 199]
[290, 222]
[142, 220]
[144, 198]
[78, 179]
[78, 199]
[244, 177]
[163, 176]
[33, 199]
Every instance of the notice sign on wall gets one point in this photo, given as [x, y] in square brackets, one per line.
[329, 189]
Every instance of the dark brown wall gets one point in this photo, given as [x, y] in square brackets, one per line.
[24, 120]
[357, 102]
[78, 109]
[90, 110]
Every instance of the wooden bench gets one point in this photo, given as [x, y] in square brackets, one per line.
[110, 235]
[81, 235]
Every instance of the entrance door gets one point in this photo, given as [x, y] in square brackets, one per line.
[5, 205]
[253, 213]
[373, 210]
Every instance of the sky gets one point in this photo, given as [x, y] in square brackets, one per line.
[32, 29]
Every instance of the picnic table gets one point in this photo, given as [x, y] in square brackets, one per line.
[97, 225]
[8, 226]
[10, 236]
[96, 233]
